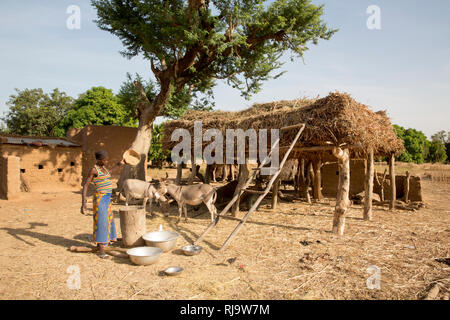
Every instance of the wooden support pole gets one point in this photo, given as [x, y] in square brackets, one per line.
[193, 171]
[317, 179]
[342, 201]
[392, 177]
[368, 190]
[179, 173]
[275, 188]
[242, 178]
[406, 186]
[301, 177]
[309, 173]
[208, 174]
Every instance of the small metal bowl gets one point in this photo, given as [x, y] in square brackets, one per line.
[191, 250]
[173, 271]
[161, 239]
[144, 255]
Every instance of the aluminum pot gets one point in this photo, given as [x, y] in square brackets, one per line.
[161, 239]
[144, 255]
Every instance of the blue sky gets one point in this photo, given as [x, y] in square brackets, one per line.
[403, 68]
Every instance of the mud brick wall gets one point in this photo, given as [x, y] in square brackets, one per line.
[114, 139]
[10, 177]
[46, 168]
[330, 178]
[415, 187]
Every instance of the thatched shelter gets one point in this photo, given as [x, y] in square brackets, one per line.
[334, 120]
[337, 128]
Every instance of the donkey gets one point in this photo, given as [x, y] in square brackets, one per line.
[192, 195]
[138, 189]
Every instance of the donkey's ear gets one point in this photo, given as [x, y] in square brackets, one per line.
[167, 176]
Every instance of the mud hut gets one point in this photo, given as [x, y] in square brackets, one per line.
[338, 128]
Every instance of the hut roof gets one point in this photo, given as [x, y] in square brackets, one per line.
[337, 118]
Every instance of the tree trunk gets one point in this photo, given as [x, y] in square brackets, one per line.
[242, 178]
[392, 176]
[141, 145]
[342, 201]
[149, 110]
[317, 179]
[369, 187]
[132, 225]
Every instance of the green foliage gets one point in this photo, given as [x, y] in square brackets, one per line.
[195, 42]
[437, 151]
[440, 147]
[97, 106]
[415, 142]
[176, 106]
[156, 153]
[35, 113]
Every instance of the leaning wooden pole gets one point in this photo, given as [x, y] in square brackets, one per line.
[267, 190]
[368, 192]
[392, 176]
[342, 201]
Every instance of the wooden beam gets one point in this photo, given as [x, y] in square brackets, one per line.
[393, 187]
[295, 126]
[320, 148]
[368, 187]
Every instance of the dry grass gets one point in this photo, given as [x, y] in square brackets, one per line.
[435, 172]
[286, 254]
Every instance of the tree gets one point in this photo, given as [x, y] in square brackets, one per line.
[192, 43]
[415, 142]
[437, 152]
[440, 147]
[97, 106]
[35, 113]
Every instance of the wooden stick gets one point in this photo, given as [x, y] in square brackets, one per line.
[94, 249]
[368, 192]
[268, 187]
[392, 176]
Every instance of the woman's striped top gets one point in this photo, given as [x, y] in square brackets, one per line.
[102, 181]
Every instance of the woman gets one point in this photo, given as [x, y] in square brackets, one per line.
[104, 227]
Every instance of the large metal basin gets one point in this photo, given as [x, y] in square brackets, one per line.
[161, 239]
[144, 255]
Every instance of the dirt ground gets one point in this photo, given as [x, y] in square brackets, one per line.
[288, 253]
